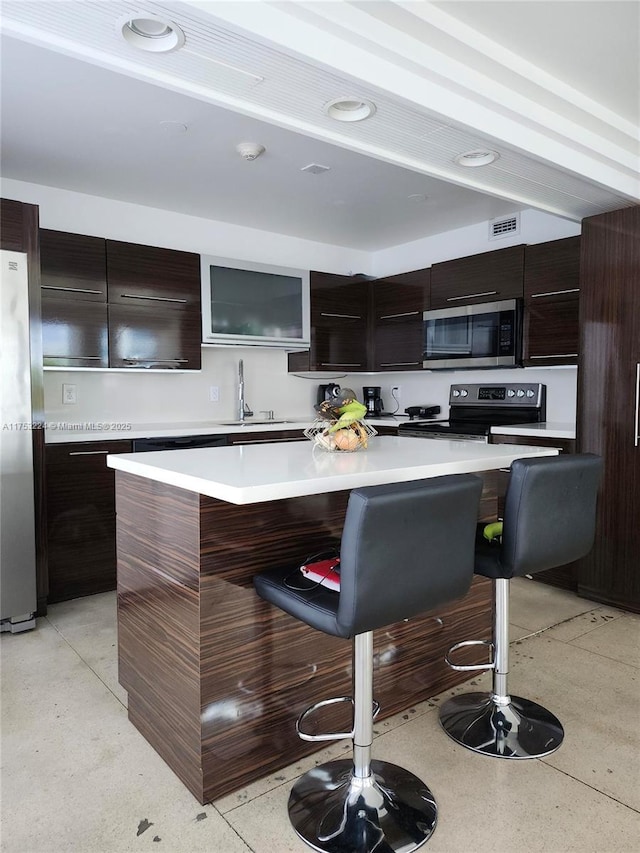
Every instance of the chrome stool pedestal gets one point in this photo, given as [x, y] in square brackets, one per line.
[359, 805]
[496, 723]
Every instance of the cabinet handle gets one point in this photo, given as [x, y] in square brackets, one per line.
[341, 364]
[71, 289]
[399, 363]
[405, 314]
[88, 453]
[152, 298]
[637, 437]
[77, 357]
[345, 316]
[266, 440]
[555, 292]
[156, 360]
[559, 355]
[472, 295]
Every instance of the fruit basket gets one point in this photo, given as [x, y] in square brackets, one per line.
[346, 439]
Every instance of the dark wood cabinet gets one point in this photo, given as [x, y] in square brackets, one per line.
[74, 333]
[340, 329]
[608, 401]
[74, 296]
[81, 518]
[139, 275]
[551, 300]
[487, 277]
[112, 304]
[73, 266]
[150, 336]
[397, 305]
[266, 437]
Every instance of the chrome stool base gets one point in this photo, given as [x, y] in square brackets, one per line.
[335, 812]
[521, 729]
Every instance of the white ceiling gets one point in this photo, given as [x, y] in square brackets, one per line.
[553, 86]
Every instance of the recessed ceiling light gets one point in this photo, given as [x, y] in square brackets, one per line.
[349, 109]
[479, 157]
[151, 33]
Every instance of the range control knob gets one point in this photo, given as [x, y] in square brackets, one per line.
[531, 393]
[455, 392]
[464, 392]
[520, 392]
[511, 393]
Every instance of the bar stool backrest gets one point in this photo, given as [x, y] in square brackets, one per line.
[550, 512]
[406, 548]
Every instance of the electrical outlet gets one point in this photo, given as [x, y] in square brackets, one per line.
[69, 397]
[214, 394]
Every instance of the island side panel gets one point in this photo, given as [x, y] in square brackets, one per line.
[158, 619]
[261, 668]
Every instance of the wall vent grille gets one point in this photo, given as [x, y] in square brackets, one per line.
[315, 169]
[504, 227]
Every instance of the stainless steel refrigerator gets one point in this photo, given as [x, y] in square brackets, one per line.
[17, 509]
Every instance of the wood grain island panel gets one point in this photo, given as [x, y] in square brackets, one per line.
[216, 677]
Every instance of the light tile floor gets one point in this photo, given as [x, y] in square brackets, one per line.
[76, 776]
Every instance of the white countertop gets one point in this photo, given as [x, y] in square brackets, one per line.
[550, 429]
[244, 474]
[60, 432]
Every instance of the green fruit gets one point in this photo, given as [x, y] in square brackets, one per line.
[492, 531]
[353, 408]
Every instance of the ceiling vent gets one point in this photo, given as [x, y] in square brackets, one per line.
[315, 169]
[504, 227]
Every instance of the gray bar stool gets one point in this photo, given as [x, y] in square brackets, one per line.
[406, 548]
[549, 520]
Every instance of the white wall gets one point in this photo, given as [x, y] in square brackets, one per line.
[535, 227]
[145, 397]
[432, 388]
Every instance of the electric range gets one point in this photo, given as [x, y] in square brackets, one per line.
[474, 409]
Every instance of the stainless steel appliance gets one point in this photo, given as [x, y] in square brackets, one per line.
[372, 400]
[485, 335]
[474, 409]
[17, 508]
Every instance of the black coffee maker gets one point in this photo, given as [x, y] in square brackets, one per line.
[372, 400]
[328, 392]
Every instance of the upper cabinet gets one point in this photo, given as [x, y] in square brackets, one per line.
[140, 275]
[74, 295]
[339, 326]
[488, 277]
[551, 298]
[398, 303]
[112, 304]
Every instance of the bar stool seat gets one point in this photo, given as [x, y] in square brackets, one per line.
[549, 520]
[406, 548]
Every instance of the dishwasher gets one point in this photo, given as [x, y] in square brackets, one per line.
[187, 442]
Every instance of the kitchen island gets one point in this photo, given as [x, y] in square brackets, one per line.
[216, 677]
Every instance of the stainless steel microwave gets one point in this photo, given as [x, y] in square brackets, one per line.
[485, 335]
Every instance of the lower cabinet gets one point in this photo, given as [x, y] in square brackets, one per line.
[266, 437]
[81, 518]
[564, 577]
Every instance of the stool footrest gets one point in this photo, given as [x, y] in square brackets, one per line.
[471, 667]
[331, 735]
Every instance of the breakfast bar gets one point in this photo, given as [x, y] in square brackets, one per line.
[215, 676]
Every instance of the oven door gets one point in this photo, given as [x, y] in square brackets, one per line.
[487, 335]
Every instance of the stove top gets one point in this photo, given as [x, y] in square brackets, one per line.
[474, 409]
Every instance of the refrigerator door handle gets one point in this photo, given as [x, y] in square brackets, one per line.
[637, 424]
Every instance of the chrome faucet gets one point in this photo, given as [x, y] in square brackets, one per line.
[243, 410]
